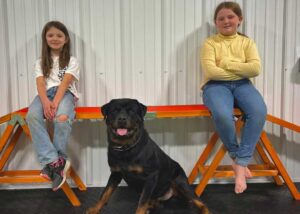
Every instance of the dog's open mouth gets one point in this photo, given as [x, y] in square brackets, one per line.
[123, 131]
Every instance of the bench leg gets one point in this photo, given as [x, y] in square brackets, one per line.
[10, 147]
[210, 171]
[267, 161]
[77, 180]
[203, 158]
[70, 194]
[271, 151]
[6, 135]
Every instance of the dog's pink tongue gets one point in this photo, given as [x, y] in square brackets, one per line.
[122, 132]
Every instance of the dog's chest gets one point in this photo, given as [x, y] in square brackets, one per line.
[131, 164]
[127, 166]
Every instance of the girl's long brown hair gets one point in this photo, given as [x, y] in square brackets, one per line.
[235, 7]
[64, 56]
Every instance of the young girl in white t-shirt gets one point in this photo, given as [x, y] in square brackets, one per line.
[56, 75]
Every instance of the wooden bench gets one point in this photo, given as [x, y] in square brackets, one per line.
[8, 141]
[272, 166]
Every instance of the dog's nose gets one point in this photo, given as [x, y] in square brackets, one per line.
[122, 120]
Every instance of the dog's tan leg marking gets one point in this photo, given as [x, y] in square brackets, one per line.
[101, 203]
[201, 206]
[115, 169]
[177, 191]
[143, 208]
[135, 168]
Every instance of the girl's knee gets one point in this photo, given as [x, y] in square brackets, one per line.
[62, 122]
[62, 118]
[261, 110]
[263, 114]
[222, 116]
[260, 114]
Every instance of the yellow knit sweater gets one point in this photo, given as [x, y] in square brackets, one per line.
[229, 58]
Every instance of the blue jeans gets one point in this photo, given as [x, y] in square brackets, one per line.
[221, 97]
[46, 150]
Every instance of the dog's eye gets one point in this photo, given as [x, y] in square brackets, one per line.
[131, 111]
[115, 110]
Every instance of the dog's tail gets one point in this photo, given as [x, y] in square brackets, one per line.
[202, 207]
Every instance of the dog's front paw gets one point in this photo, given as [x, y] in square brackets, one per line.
[92, 210]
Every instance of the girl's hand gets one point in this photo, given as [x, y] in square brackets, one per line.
[48, 112]
[223, 62]
[54, 106]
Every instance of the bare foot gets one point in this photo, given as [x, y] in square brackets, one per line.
[248, 173]
[240, 178]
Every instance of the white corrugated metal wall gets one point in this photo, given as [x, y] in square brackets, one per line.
[148, 49]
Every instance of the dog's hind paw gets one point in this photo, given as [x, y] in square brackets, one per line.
[92, 210]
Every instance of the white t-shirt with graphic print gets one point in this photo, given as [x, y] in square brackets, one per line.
[56, 75]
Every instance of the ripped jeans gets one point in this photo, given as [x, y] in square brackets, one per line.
[47, 151]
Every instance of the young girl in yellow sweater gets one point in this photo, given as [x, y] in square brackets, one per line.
[228, 60]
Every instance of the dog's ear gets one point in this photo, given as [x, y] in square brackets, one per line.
[143, 109]
[105, 109]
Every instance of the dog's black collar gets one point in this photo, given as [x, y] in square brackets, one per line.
[127, 147]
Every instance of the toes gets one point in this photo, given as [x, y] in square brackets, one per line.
[248, 173]
[240, 188]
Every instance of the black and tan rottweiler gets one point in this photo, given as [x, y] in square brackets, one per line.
[136, 158]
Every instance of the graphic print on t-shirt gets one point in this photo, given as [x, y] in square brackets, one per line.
[61, 73]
